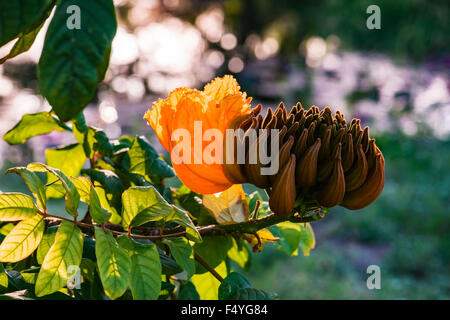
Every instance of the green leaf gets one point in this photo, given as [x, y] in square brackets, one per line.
[95, 140]
[89, 196]
[27, 38]
[145, 269]
[236, 287]
[17, 17]
[69, 159]
[188, 291]
[107, 178]
[144, 204]
[16, 206]
[169, 266]
[207, 285]
[114, 264]
[22, 240]
[72, 195]
[307, 238]
[240, 253]
[72, 59]
[183, 254]
[294, 235]
[253, 294]
[232, 283]
[64, 253]
[30, 275]
[46, 243]
[213, 250]
[3, 277]
[289, 234]
[32, 125]
[34, 184]
[145, 160]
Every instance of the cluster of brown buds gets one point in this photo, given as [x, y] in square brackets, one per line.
[322, 159]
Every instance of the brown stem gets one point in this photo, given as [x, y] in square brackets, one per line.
[251, 226]
[207, 266]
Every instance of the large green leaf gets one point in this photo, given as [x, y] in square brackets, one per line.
[26, 38]
[182, 218]
[16, 206]
[145, 269]
[183, 254]
[22, 240]
[213, 250]
[46, 243]
[114, 264]
[18, 17]
[34, 184]
[72, 60]
[72, 195]
[65, 252]
[32, 125]
[69, 159]
[143, 204]
[145, 160]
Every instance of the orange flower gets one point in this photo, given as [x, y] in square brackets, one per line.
[220, 102]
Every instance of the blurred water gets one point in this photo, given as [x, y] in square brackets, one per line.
[154, 53]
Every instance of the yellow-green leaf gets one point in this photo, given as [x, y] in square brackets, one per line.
[72, 195]
[207, 285]
[69, 159]
[66, 251]
[3, 277]
[46, 243]
[114, 264]
[307, 238]
[230, 206]
[145, 269]
[34, 184]
[89, 196]
[16, 206]
[22, 240]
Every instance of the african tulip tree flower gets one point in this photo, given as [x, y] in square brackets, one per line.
[322, 160]
[220, 102]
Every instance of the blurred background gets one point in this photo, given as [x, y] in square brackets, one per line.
[395, 79]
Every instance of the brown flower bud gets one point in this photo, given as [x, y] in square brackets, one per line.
[283, 193]
[333, 190]
[358, 173]
[370, 190]
[306, 171]
[334, 162]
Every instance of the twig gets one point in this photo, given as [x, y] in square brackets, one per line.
[207, 266]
